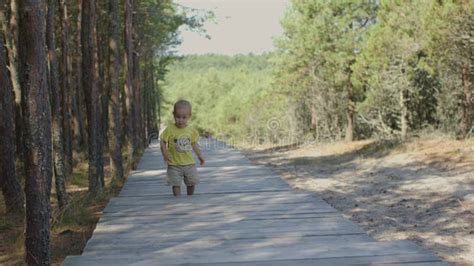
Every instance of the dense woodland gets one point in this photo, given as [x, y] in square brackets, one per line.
[86, 79]
[78, 81]
[343, 70]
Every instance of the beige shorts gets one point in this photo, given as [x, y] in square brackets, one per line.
[175, 175]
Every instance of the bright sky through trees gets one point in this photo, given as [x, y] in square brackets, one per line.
[240, 26]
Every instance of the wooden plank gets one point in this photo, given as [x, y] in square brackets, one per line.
[329, 223]
[159, 176]
[222, 191]
[218, 171]
[156, 245]
[185, 213]
[167, 201]
[215, 174]
[228, 234]
[221, 253]
[242, 197]
[202, 189]
[115, 219]
[265, 180]
[234, 234]
[212, 184]
[400, 259]
[157, 210]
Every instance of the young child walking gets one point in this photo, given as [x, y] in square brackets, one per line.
[177, 143]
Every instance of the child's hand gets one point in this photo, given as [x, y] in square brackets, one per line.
[167, 159]
[202, 161]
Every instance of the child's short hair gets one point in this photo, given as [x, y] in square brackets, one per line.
[182, 104]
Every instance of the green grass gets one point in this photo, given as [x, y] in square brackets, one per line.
[78, 179]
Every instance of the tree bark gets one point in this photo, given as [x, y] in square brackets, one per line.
[467, 103]
[136, 105]
[115, 129]
[350, 110]
[403, 115]
[103, 23]
[12, 46]
[154, 99]
[314, 121]
[58, 134]
[10, 30]
[146, 100]
[128, 63]
[158, 102]
[92, 95]
[80, 134]
[66, 94]
[36, 110]
[9, 184]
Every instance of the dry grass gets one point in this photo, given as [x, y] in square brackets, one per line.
[70, 227]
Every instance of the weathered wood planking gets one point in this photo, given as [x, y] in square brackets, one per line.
[241, 214]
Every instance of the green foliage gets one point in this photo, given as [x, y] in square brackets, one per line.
[315, 57]
[403, 58]
[395, 65]
[232, 97]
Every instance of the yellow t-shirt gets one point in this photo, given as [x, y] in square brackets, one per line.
[180, 142]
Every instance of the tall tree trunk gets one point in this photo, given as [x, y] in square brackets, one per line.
[9, 184]
[66, 87]
[146, 100]
[115, 129]
[350, 109]
[103, 23]
[467, 103]
[79, 126]
[58, 135]
[314, 121]
[90, 77]
[403, 115]
[158, 102]
[36, 110]
[143, 108]
[10, 30]
[128, 64]
[12, 40]
[154, 102]
[137, 104]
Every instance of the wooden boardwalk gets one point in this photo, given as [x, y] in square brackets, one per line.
[241, 214]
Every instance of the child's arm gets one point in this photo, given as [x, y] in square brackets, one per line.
[164, 151]
[197, 150]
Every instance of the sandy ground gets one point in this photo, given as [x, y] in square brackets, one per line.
[421, 190]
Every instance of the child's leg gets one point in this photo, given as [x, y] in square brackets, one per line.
[191, 178]
[174, 178]
[190, 190]
[176, 191]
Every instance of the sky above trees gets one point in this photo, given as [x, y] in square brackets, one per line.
[239, 27]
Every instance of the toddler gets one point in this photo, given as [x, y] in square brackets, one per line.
[177, 143]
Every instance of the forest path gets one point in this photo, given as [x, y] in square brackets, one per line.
[240, 214]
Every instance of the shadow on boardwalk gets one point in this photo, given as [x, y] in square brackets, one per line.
[242, 213]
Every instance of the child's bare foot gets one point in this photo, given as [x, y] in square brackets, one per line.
[176, 191]
[190, 190]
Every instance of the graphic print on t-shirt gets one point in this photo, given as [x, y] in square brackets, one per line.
[183, 144]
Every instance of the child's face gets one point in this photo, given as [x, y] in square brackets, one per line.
[181, 116]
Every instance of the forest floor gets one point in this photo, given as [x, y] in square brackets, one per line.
[71, 228]
[419, 190]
